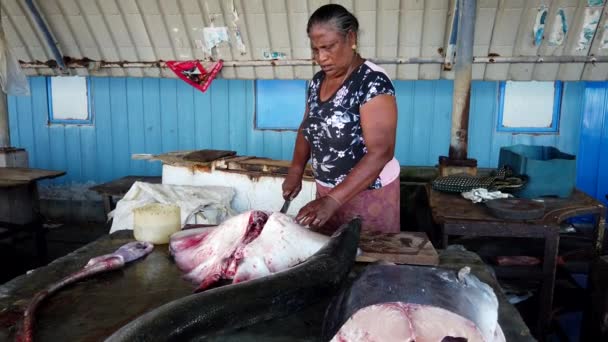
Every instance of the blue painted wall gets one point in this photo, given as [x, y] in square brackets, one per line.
[592, 162]
[152, 115]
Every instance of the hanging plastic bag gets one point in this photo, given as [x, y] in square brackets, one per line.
[194, 73]
[12, 78]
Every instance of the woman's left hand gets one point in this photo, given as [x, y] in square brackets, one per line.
[316, 213]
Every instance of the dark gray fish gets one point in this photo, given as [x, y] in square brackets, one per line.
[458, 292]
[105, 263]
[240, 305]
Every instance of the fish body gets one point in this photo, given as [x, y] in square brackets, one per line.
[390, 299]
[101, 264]
[247, 246]
[243, 304]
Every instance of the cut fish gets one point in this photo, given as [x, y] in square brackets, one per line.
[388, 303]
[247, 246]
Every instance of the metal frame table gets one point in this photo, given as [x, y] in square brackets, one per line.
[118, 188]
[92, 310]
[459, 216]
[19, 188]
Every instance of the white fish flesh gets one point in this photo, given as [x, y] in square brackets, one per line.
[414, 303]
[405, 322]
[282, 244]
[247, 246]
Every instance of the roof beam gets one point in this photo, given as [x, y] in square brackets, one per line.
[50, 41]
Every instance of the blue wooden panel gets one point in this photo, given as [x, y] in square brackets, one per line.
[88, 149]
[151, 115]
[279, 103]
[120, 127]
[272, 144]
[73, 153]
[404, 91]
[220, 128]
[588, 162]
[287, 144]
[168, 111]
[13, 121]
[152, 122]
[481, 121]
[570, 117]
[424, 106]
[137, 130]
[255, 138]
[602, 171]
[441, 124]
[202, 119]
[26, 126]
[237, 117]
[58, 152]
[103, 127]
[40, 114]
[185, 116]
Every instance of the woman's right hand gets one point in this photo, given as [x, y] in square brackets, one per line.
[292, 185]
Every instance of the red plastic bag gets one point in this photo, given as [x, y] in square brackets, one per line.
[194, 73]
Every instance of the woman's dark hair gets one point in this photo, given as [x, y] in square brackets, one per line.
[335, 15]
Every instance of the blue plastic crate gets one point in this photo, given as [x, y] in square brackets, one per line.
[550, 172]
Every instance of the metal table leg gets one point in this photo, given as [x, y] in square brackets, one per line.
[548, 285]
[107, 204]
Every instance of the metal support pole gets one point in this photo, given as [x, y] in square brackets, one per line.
[463, 72]
[5, 139]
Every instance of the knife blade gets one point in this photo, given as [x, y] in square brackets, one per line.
[285, 206]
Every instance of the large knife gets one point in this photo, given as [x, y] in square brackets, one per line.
[285, 206]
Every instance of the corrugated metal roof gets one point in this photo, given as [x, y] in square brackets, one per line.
[407, 37]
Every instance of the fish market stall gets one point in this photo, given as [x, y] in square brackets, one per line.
[459, 216]
[92, 310]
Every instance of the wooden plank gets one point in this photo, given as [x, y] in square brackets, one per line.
[206, 156]
[401, 248]
[455, 208]
[20, 174]
[120, 186]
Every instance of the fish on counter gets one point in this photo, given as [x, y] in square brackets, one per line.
[125, 254]
[412, 303]
[248, 246]
[239, 305]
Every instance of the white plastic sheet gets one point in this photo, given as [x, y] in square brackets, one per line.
[12, 78]
[198, 204]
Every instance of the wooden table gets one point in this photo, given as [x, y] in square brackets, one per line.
[119, 187]
[19, 203]
[92, 310]
[459, 216]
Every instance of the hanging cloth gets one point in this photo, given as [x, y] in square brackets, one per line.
[194, 73]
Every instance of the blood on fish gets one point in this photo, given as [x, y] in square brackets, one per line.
[247, 246]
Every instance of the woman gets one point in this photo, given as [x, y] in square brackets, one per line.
[348, 132]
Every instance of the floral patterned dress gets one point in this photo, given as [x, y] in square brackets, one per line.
[333, 127]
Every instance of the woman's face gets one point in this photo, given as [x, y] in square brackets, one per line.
[331, 50]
